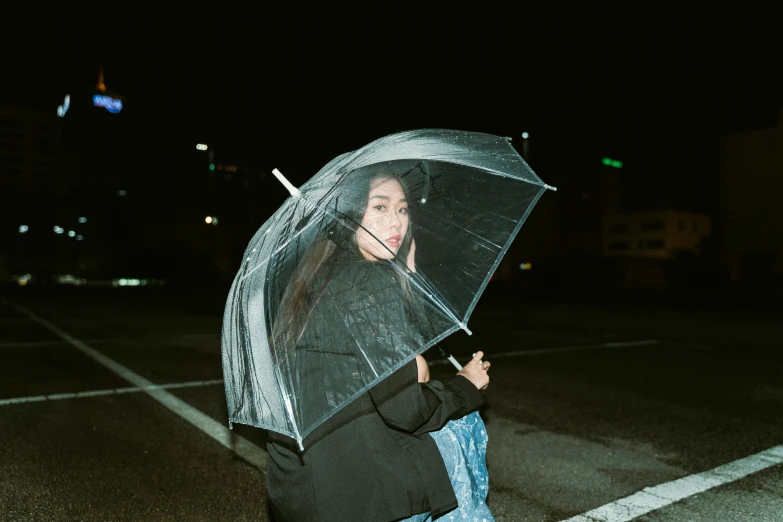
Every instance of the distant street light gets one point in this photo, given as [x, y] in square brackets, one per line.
[208, 220]
[525, 146]
[23, 229]
[201, 146]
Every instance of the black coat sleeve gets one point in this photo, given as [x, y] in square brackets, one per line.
[416, 408]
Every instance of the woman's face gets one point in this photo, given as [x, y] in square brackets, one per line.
[385, 220]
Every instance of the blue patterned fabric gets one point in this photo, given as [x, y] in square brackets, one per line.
[463, 446]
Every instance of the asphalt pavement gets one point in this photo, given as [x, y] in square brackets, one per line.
[112, 409]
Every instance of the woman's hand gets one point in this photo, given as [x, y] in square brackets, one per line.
[423, 368]
[476, 371]
[410, 261]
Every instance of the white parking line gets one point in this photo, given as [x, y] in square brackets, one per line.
[546, 351]
[241, 446]
[651, 499]
[100, 393]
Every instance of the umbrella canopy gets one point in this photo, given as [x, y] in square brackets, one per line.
[379, 256]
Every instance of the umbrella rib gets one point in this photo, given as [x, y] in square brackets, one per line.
[484, 240]
[369, 159]
[520, 158]
[280, 248]
[433, 295]
[278, 373]
[306, 200]
[503, 252]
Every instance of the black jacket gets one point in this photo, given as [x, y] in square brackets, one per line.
[374, 460]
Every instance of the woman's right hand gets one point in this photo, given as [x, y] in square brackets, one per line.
[476, 371]
[411, 254]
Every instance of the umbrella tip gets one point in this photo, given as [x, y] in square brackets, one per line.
[465, 327]
[287, 184]
[553, 189]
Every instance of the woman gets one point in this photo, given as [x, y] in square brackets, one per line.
[374, 460]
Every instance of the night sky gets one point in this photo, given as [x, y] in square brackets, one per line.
[651, 84]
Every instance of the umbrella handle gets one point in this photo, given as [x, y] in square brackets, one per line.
[287, 184]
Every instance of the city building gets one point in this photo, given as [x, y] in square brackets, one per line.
[660, 234]
[221, 200]
[80, 185]
[96, 190]
[560, 244]
[119, 179]
[751, 213]
[30, 155]
[33, 188]
[643, 245]
[106, 147]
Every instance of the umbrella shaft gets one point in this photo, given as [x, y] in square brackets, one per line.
[453, 361]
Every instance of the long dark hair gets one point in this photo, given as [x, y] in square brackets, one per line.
[336, 241]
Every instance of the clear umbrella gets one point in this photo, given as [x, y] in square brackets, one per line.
[379, 256]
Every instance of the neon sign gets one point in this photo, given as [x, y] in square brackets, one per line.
[612, 163]
[113, 105]
[62, 109]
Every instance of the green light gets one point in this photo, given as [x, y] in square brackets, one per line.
[211, 166]
[612, 163]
